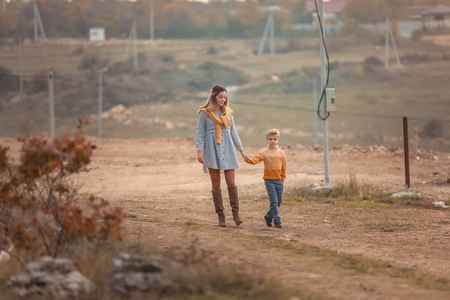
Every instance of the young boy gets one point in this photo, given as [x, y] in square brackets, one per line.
[274, 175]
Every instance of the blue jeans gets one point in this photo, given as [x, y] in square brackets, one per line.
[275, 191]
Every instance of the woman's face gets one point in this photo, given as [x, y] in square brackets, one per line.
[221, 98]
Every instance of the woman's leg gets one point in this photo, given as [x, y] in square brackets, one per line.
[217, 195]
[229, 177]
[215, 179]
[233, 194]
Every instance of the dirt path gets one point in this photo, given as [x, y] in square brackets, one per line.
[373, 250]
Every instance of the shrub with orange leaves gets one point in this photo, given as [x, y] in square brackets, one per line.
[40, 211]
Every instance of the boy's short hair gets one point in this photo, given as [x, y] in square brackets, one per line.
[272, 132]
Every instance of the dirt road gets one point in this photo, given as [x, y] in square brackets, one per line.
[373, 249]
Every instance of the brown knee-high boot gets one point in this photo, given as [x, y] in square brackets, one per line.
[234, 202]
[218, 204]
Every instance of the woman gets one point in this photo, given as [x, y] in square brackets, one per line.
[215, 141]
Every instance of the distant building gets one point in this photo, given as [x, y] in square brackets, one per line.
[429, 13]
[425, 17]
[332, 10]
[96, 34]
[332, 16]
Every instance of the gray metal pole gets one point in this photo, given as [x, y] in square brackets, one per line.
[264, 37]
[20, 66]
[322, 86]
[35, 23]
[314, 93]
[386, 45]
[152, 24]
[394, 45]
[100, 103]
[272, 35]
[51, 103]
[135, 54]
[4, 5]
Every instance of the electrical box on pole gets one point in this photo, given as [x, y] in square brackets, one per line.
[330, 99]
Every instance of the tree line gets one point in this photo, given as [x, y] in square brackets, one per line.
[179, 18]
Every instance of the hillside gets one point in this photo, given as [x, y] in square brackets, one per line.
[161, 97]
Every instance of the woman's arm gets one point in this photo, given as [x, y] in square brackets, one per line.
[235, 136]
[200, 136]
[236, 140]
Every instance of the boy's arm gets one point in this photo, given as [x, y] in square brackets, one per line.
[283, 167]
[257, 159]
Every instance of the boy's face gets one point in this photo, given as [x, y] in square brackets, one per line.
[273, 140]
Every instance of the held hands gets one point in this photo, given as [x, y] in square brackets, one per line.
[245, 156]
[200, 156]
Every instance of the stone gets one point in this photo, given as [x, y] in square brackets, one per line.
[140, 275]
[54, 278]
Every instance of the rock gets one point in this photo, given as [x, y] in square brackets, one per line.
[140, 275]
[440, 204]
[56, 278]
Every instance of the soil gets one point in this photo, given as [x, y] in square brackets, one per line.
[162, 186]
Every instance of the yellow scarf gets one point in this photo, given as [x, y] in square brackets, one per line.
[224, 120]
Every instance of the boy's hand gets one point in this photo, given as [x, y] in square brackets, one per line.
[245, 156]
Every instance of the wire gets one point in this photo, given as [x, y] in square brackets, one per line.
[56, 77]
[235, 102]
[328, 64]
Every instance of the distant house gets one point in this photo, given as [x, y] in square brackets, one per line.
[332, 10]
[427, 13]
[425, 17]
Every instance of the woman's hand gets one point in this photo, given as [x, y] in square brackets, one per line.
[200, 156]
[245, 156]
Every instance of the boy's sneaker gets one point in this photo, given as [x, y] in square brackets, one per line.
[268, 220]
[278, 225]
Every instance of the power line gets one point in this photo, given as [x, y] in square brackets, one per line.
[95, 83]
[336, 112]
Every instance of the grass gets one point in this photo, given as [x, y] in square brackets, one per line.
[323, 259]
[348, 193]
[195, 274]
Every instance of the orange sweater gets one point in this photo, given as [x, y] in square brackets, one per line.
[274, 163]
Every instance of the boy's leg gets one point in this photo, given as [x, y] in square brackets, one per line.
[268, 218]
[272, 193]
[279, 190]
[280, 185]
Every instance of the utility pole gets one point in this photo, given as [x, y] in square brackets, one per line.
[322, 87]
[270, 11]
[132, 40]
[100, 103]
[152, 24]
[20, 66]
[51, 94]
[135, 54]
[314, 93]
[389, 35]
[38, 24]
